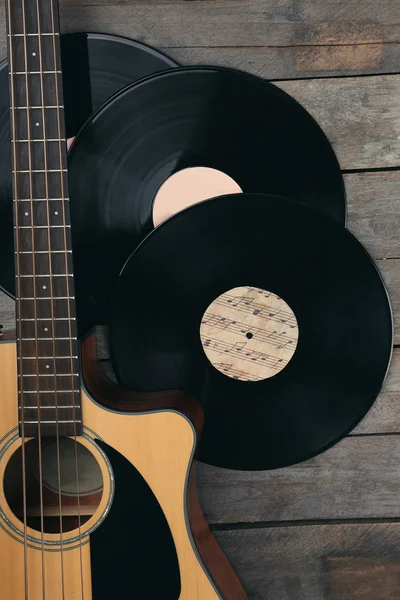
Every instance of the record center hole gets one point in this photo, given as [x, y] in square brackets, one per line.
[249, 333]
[190, 186]
[90, 482]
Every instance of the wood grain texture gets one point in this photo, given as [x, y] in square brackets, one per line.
[272, 39]
[361, 117]
[317, 562]
[296, 62]
[356, 479]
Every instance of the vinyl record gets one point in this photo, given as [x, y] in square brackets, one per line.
[271, 313]
[95, 66]
[222, 119]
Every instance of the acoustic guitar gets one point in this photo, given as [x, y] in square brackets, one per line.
[97, 494]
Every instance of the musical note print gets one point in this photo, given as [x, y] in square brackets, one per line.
[254, 328]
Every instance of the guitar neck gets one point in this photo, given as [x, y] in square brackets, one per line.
[49, 390]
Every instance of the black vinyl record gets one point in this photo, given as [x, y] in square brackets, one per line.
[197, 116]
[95, 66]
[279, 246]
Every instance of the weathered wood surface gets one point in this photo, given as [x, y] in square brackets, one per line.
[317, 562]
[295, 62]
[275, 39]
[356, 479]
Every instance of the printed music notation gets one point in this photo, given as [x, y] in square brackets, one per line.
[280, 339]
[228, 368]
[239, 349]
[249, 334]
[260, 309]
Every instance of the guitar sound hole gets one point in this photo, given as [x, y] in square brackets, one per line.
[59, 481]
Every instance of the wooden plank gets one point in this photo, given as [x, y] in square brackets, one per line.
[237, 22]
[373, 211]
[293, 62]
[255, 35]
[320, 562]
[361, 117]
[356, 479]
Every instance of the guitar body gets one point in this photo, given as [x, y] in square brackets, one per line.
[158, 446]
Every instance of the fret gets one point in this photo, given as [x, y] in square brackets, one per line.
[31, 34]
[42, 212]
[34, 141]
[45, 375]
[40, 286]
[58, 307]
[39, 339]
[36, 200]
[43, 240]
[38, 107]
[44, 422]
[44, 252]
[47, 358]
[48, 392]
[55, 407]
[32, 127]
[51, 413]
[62, 319]
[50, 398]
[32, 60]
[41, 185]
[36, 89]
[46, 330]
[33, 72]
[62, 387]
[41, 171]
[39, 263]
[32, 157]
[30, 10]
[32, 365]
[42, 227]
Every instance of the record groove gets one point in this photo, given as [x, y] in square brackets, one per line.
[311, 262]
[210, 117]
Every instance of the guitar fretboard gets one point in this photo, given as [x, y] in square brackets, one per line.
[49, 390]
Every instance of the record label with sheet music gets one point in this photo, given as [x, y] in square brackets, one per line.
[271, 313]
[95, 66]
[230, 129]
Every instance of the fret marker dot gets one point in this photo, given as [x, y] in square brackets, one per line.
[33, 53]
[27, 214]
[37, 124]
[44, 287]
[46, 328]
[47, 366]
[56, 212]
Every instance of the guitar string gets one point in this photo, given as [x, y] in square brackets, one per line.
[71, 336]
[51, 283]
[28, 119]
[18, 283]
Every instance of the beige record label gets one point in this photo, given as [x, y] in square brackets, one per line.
[249, 334]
